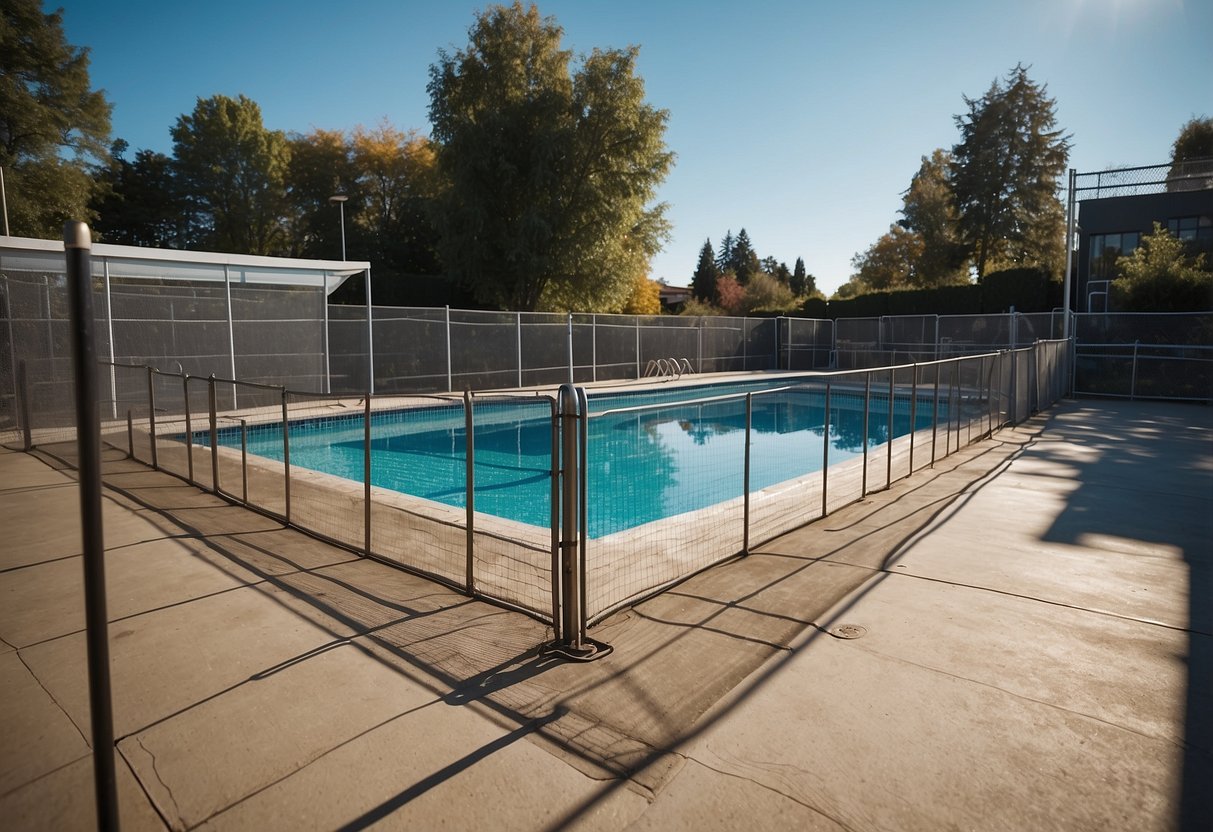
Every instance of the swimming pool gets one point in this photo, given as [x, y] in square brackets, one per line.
[669, 458]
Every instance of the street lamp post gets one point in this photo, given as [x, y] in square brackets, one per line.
[340, 200]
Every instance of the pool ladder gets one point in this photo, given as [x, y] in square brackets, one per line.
[672, 368]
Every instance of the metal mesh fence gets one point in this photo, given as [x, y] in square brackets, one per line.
[1189, 175]
[1144, 355]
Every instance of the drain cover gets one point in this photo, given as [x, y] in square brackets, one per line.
[849, 631]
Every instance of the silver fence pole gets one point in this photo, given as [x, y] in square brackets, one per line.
[130, 435]
[151, 414]
[744, 356]
[1065, 287]
[636, 321]
[935, 417]
[449, 384]
[936, 352]
[956, 384]
[210, 400]
[324, 306]
[244, 460]
[1133, 376]
[286, 460]
[366, 476]
[189, 431]
[594, 347]
[825, 455]
[570, 582]
[583, 503]
[470, 463]
[109, 328]
[745, 528]
[370, 337]
[913, 413]
[889, 469]
[699, 346]
[518, 343]
[231, 329]
[554, 519]
[77, 243]
[867, 401]
[570, 340]
[27, 432]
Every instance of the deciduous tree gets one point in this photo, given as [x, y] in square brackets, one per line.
[140, 204]
[234, 171]
[54, 129]
[1192, 157]
[549, 171]
[929, 209]
[1161, 276]
[890, 261]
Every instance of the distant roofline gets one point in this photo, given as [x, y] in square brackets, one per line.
[343, 268]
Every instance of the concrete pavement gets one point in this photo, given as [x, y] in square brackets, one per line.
[1035, 652]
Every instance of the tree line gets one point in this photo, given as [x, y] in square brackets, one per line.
[534, 190]
[734, 280]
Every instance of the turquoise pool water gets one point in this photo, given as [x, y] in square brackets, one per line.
[643, 466]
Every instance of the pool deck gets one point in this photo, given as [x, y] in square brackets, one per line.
[1035, 652]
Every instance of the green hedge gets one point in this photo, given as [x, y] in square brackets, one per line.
[1028, 290]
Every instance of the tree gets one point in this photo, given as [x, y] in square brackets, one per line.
[744, 260]
[398, 181]
[548, 172]
[234, 172]
[929, 209]
[140, 205]
[1005, 171]
[801, 283]
[703, 283]
[766, 294]
[644, 299]
[321, 165]
[890, 261]
[53, 127]
[724, 259]
[1160, 276]
[1192, 157]
[731, 293]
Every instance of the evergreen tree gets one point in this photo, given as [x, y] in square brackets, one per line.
[929, 209]
[744, 261]
[724, 259]
[1005, 171]
[703, 284]
[799, 283]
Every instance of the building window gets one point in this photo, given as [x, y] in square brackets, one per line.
[1106, 249]
[1191, 228]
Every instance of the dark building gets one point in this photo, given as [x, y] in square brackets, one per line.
[1117, 208]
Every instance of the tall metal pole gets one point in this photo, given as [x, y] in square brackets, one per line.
[341, 208]
[77, 244]
[745, 489]
[324, 308]
[1065, 290]
[449, 384]
[570, 339]
[231, 329]
[469, 429]
[370, 336]
[109, 327]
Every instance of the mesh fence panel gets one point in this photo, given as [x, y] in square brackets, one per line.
[618, 344]
[807, 343]
[278, 334]
[722, 345]
[545, 349]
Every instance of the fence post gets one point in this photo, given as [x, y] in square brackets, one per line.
[745, 528]
[935, 417]
[554, 519]
[470, 467]
[214, 434]
[867, 399]
[370, 336]
[244, 460]
[151, 414]
[636, 321]
[130, 435]
[189, 431]
[825, 455]
[518, 343]
[449, 385]
[570, 340]
[366, 476]
[889, 468]
[913, 413]
[1133, 376]
[699, 346]
[77, 243]
[286, 460]
[594, 347]
[23, 391]
[570, 581]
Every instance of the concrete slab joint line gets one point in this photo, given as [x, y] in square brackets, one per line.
[174, 820]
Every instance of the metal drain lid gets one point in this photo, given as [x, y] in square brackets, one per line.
[849, 631]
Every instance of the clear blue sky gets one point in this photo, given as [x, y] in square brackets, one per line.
[801, 121]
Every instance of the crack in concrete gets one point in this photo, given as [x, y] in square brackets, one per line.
[770, 788]
[51, 697]
[1177, 743]
[180, 822]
